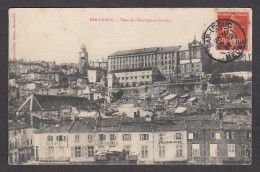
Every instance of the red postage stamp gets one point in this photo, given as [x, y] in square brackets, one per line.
[226, 39]
[239, 17]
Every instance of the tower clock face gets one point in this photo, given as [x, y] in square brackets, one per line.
[82, 54]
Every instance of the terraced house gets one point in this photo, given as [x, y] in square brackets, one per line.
[131, 141]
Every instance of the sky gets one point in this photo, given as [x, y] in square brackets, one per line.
[57, 34]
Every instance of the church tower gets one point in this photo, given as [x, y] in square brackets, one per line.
[83, 60]
[195, 49]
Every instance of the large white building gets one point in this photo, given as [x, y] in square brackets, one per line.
[86, 141]
[184, 61]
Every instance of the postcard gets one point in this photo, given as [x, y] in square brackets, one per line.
[130, 86]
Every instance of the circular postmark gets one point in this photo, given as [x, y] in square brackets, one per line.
[224, 40]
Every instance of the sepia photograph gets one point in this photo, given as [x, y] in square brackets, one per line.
[130, 86]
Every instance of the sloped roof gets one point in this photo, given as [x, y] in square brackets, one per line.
[170, 96]
[49, 102]
[174, 126]
[59, 128]
[147, 50]
[83, 125]
[15, 126]
[180, 109]
[191, 99]
[231, 126]
[136, 126]
[109, 124]
[135, 51]
[169, 49]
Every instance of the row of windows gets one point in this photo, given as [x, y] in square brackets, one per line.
[231, 150]
[127, 137]
[15, 132]
[88, 151]
[124, 66]
[133, 77]
[142, 61]
[142, 57]
[228, 135]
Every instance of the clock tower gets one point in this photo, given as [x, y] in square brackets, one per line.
[83, 60]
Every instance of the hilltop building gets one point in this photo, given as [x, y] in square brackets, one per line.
[185, 63]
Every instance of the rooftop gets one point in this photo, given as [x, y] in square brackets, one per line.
[133, 70]
[147, 50]
[59, 128]
[50, 102]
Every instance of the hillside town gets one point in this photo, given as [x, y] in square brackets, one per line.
[153, 105]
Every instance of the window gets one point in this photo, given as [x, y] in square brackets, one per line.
[15, 157]
[28, 142]
[213, 150]
[112, 137]
[90, 151]
[230, 135]
[144, 152]
[144, 137]
[247, 135]
[102, 137]
[178, 150]
[50, 152]
[126, 137]
[77, 151]
[192, 135]
[215, 136]
[11, 158]
[195, 150]
[246, 151]
[161, 151]
[136, 77]
[60, 138]
[50, 138]
[231, 150]
[90, 138]
[178, 136]
[147, 76]
[161, 135]
[76, 138]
